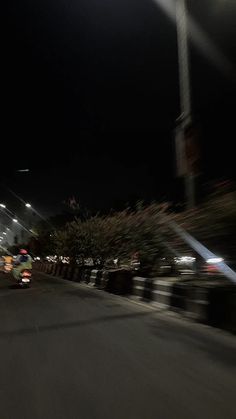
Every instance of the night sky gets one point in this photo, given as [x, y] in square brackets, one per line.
[90, 89]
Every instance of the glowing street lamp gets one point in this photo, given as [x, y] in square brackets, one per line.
[28, 205]
[14, 220]
[2, 205]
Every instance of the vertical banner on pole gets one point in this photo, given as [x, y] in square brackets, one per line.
[192, 149]
[180, 152]
[186, 151]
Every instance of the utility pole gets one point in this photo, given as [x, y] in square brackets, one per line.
[185, 119]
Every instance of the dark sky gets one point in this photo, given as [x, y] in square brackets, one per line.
[90, 93]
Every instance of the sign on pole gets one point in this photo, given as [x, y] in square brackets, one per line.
[180, 152]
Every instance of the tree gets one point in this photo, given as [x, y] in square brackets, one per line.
[214, 222]
[147, 231]
[116, 235]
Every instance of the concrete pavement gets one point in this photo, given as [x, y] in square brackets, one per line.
[71, 352]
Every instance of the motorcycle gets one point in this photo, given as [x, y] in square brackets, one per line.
[25, 278]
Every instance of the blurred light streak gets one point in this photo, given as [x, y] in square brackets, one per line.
[200, 39]
[28, 205]
[16, 221]
[202, 250]
[170, 248]
[6, 250]
[214, 261]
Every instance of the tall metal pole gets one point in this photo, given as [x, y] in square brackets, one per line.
[185, 93]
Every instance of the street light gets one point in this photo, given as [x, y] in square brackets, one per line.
[4, 233]
[11, 216]
[28, 205]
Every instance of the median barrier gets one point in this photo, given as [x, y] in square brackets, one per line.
[50, 269]
[221, 306]
[93, 276]
[178, 296]
[210, 301]
[37, 266]
[75, 274]
[64, 271]
[197, 302]
[69, 272]
[119, 281]
[47, 268]
[101, 279]
[59, 269]
[86, 275]
[138, 285]
[44, 267]
[161, 291]
[54, 269]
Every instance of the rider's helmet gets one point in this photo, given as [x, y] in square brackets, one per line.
[23, 252]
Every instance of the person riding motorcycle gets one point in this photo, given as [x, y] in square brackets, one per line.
[22, 261]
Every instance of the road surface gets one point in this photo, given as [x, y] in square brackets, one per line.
[71, 352]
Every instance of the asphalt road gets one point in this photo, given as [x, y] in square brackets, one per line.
[68, 351]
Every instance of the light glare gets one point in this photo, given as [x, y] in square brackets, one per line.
[212, 261]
